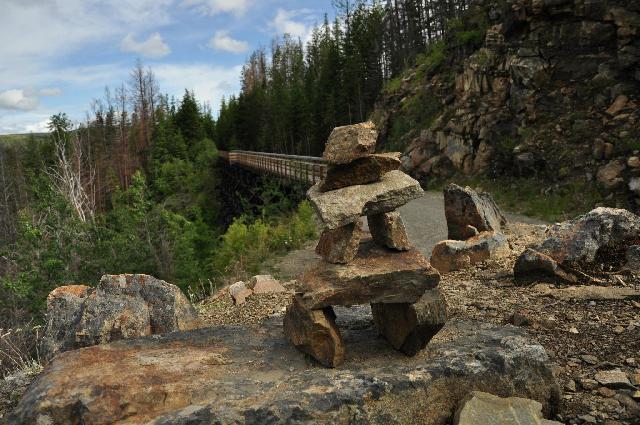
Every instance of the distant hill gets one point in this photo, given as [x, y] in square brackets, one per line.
[9, 138]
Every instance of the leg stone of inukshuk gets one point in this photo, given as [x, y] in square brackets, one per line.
[340, 246]
[314, 332]
[409, 327]
[387, 229]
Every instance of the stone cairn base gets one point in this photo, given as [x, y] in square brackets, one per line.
[384, 270]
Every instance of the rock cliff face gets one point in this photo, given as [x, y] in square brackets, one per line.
[552, 93]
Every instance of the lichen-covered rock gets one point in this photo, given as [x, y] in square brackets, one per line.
[575, 248]
[488, 409]
[314, 332]
[340, 245]
[368, 169]
[453, 255]
[410, 327]
[387, 229]
[252, 375]
[350, 142]
[376, 275]
[343, 206]
[12, 387]
[120, 307]
[469, 212]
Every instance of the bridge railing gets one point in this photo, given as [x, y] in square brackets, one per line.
[309, 169]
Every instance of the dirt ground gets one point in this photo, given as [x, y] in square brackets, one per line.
[585, 330]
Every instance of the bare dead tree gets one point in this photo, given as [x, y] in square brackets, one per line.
[67, 176]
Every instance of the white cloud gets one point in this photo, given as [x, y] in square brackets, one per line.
[52, 91]
[210, 83]
[214, 7]
[18, 100]
[223, 41]
[152, 47]
[38, 127]
[284, 23]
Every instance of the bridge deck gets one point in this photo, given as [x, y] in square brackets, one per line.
[309, 169]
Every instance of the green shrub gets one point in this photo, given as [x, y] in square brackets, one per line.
[431, 60]
[628, 145]
[392, 86]
[245, 246]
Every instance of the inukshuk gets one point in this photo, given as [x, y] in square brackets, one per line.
[383, 270]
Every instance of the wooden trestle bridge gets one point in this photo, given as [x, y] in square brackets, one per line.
[308, 169]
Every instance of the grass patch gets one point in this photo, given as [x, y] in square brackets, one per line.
[628, 145]
[431, 60]
[247, 245]
[392, 86]
[418, 112]
[526, 196]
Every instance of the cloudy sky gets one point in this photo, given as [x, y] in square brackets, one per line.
[58, 55]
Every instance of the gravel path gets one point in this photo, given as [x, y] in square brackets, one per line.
[426, 224]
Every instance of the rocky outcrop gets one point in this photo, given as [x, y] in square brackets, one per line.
[251, 375]
[576, 250]
[469, 212]
[551, 93]
[120, 307]
[343, 206]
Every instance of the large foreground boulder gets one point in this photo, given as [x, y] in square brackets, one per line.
[343, 206]
[252, 375]
[120, 307]
[469, 212]
[577, 249]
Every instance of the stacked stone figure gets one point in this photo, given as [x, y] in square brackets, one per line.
[384, 270]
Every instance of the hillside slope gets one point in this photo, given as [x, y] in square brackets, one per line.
[549, 92]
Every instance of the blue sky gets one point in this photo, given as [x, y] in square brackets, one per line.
[58, 55]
